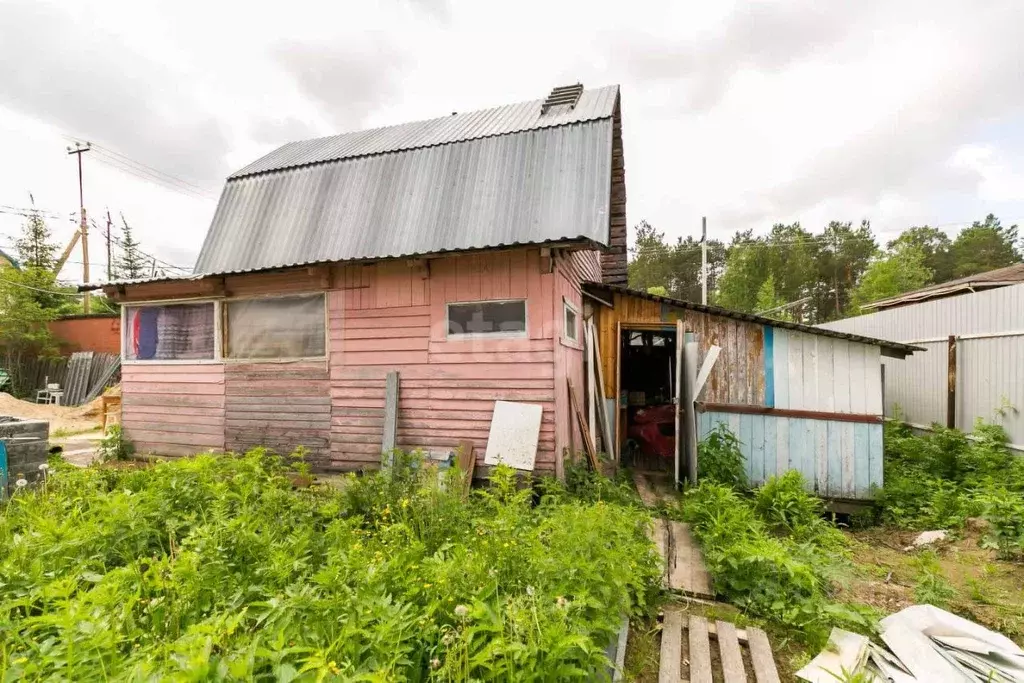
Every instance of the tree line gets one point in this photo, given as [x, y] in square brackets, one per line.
[796, 274]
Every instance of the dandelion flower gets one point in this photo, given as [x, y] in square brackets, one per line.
[562, 602]
[43, 467]
[435, 663]
[21, 483]
[461, 611]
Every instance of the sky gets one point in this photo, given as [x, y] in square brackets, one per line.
[749, 113]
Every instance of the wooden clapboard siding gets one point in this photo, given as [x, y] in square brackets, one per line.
[393, 316]
[838, 459]
[173, 409]
[280, 406]
[581, 266]
[568, 357]
[811, 372]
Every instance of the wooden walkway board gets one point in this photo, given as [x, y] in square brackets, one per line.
[687, 571]
[729, 650]
[669, 670]
[761, 657]
[659, 537]
[700, 651]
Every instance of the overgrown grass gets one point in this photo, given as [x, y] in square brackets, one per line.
[215, 568]
[940, 480]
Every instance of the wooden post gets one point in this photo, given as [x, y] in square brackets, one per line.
[951, 384]
[387, 445]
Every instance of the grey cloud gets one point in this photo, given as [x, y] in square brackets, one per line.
[280, 131]
[768, 36]
[347, 82]
[909, 152]
[86, 83]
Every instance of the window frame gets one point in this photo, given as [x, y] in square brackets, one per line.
[220, 329]
[566, 307]
[172, 361]
[222, 324]
[524, 334]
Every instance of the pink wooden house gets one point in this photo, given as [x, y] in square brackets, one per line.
[451, 250]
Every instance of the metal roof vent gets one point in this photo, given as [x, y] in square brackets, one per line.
[562, 95]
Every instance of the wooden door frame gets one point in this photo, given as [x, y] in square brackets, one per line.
[621, 327]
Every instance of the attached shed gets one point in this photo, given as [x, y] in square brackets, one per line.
[796, 397]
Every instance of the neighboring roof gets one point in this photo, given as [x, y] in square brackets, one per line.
[1000, 277]
[494, 178]
[902, 350]
[5, 257]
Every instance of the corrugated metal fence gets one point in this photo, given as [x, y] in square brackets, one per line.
[989, 359]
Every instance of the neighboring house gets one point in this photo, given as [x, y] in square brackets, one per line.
[974, 338]
[797, 397]
[446, 249]
[1000, 277]
[7, 260]
[98, 332]
[465, 253]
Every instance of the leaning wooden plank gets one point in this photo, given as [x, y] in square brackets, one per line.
[588, 442]
[602, 408]
[729, 649]
[700, 650]
[387, 445]
[671, 647]
[761, 657]
[620, 652]
[467, 463]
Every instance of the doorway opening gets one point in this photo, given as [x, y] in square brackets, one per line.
[647, 393]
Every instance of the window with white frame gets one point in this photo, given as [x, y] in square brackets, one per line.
[570, 321]
[487, 318]
[169, 332]
[278, 327]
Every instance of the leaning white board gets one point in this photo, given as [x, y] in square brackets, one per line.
[515, 431]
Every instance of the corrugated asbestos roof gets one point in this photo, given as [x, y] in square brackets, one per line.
[494, 178]
[902, 349]
[597, 103]
[1000, 277]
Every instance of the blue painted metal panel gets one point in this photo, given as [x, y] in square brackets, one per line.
[769, 366]
[815, 448]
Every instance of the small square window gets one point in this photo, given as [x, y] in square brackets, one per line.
[570, 329]
[279, 327]
[480, 318]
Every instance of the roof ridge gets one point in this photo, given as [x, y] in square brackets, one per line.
[434, 126]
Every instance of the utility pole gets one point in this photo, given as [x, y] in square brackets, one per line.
[704, 260]
[79, 150]
[109, 271]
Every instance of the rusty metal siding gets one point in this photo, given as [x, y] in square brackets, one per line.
[594, 104]
[535, 187]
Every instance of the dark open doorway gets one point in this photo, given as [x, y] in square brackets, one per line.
[647, 388]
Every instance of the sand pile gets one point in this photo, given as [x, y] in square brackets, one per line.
[66, 418]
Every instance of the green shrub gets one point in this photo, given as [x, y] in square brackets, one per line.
[215, 567]
[773, 555]
[942, 479]
[719, 459]
[114, 445]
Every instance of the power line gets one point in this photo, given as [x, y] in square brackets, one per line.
[37, 289]
[149, 173]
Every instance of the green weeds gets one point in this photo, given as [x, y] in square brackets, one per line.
[719, 459]
[216, 568]
[940, 480]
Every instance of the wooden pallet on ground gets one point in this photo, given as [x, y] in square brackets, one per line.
[743, 655]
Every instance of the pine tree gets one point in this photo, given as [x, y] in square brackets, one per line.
[35, 248]
[130, 266]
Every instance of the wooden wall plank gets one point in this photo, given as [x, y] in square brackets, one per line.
[780, 362]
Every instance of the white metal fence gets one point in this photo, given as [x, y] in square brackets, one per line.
[989, 366]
